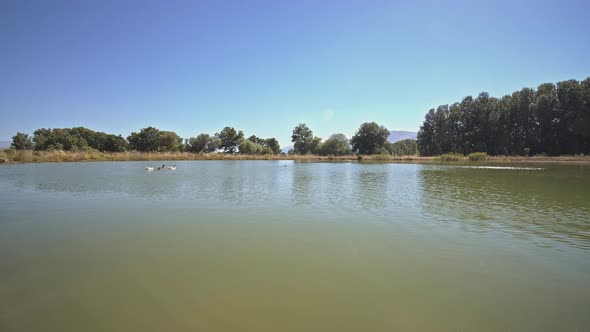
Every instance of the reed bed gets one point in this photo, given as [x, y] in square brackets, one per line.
[13, 156]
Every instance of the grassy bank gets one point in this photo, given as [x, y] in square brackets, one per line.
[12, 156]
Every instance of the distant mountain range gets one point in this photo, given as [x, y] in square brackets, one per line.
[5, 144]
[398, 135]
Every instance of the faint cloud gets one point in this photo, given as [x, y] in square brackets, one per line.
[328, 115]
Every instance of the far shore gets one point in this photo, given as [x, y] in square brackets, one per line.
[11, 157]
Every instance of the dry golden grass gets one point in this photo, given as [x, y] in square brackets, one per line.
[12, 156]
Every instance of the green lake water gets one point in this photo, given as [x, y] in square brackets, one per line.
[290, 246]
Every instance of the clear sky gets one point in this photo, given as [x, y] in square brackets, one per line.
[264, 66]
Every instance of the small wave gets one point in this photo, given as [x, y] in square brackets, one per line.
[506, 168]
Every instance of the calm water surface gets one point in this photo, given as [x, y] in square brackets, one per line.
[284, 246]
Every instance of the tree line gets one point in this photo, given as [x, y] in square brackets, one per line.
[148, 139]
[69, 139]
[554, 119]
[371, 138]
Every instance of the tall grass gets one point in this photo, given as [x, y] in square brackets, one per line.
[13, 156]
[29, 156]
[478, 156]
[451, 157]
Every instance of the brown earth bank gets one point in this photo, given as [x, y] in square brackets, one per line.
[11, 156]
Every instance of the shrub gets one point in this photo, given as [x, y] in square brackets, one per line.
[478, 156]
[336, 145]
[527, 151]
[381, 156]
[248, 147]
[451, 157]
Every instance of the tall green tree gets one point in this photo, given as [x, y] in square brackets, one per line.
[115, 144]
[271, 145]
[76, 139]
[548, 108]
[571, 99]
[169, 141]
[151, 139]
[144, 141]
[247, 146]
[335, 145]
[554, 119]
[203, 143]
[426, 144]
[303, 140]
[230, 139]
[406, 147]
[21, 141]
[256, 139]
[315, 143]
[370, 138]
[582, 127]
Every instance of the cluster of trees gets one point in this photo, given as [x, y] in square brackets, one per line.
[371, 138]
[151, 139]
[257, 145]
[335, 145]
[69, 139]
[406, 147]
[554, 119]
[148, 139]
[203, 143]
[232, 141]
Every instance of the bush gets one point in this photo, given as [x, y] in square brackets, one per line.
[336, 145]
[381, 156]
[406, 147]
[527, 151]
[478, 156]
[248, 147]
[451, 157]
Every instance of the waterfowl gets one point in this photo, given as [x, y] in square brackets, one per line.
[171, 168]
[161, 168]
[149, 169]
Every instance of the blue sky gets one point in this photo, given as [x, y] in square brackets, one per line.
[264, 66]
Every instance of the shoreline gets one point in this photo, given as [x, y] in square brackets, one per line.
[22, 157]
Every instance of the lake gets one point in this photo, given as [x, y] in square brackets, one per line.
[294, 246]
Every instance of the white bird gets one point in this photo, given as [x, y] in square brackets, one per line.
[149, 169]
[171, 168]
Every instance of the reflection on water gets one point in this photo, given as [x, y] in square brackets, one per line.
[371, 186]
[552, 204]
[549, 203]
[293, 246]
[302, 185]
